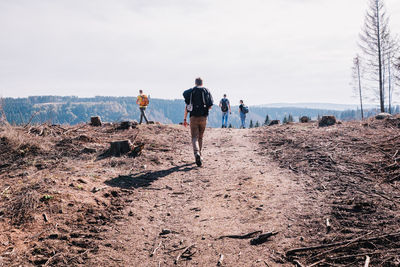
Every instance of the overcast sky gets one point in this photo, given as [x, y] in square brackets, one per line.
[262, 51]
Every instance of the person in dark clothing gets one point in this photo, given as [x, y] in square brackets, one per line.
[242, 113]
[198, 103]
[225, 108]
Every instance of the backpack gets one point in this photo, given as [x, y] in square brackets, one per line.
[224, 105]
[198, 101]
[245, 109]
[144, 101]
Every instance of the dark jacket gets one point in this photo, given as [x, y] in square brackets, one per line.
[202, 100]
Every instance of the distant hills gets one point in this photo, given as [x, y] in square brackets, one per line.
[74, 110]
[328, 106]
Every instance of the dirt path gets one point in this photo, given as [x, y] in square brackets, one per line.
[236, 192]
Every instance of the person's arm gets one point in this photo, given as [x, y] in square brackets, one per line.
[185, 116]
[220, 103]
[229, 106]
[137, 100]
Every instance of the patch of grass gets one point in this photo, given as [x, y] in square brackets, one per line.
[46, 198]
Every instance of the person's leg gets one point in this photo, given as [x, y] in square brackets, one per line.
[226, 119]
[141, 116]
[194, 130]
[143, 111]
[223, 117]
[242, 119]
[202, 128]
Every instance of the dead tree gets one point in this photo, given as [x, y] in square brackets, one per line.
[357, 80]
[375, 42]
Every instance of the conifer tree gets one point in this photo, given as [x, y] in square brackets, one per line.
[285, 120]
[267, 120]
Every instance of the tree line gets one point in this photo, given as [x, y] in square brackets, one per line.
[74, 110]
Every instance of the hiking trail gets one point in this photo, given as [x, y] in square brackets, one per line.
[237, 191]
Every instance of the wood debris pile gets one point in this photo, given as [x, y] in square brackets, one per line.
[354, 169]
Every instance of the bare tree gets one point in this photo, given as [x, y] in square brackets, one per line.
[357, 81]
[376, 43]
[3, 118]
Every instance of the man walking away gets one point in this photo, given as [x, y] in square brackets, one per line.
[143, 102]
[198, 103]
[225, 108]
[243, 110]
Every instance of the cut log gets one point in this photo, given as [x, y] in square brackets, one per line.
[274, 122]
[120, 147]
[327, 121]
[95, 121]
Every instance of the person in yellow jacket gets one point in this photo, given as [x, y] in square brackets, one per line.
[143, 102]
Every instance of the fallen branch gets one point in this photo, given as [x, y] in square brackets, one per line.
[155, 250]
[49, 260]
[30, 120]
[328, 225]
[262, 238]
[377, 252]
[181, 255]
[296, 250]
[221, 258]
[367, 260]
[293, 169]
[246, 236]
[5, 190]
[297, 263]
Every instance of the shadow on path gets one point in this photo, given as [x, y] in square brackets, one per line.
[145, 179]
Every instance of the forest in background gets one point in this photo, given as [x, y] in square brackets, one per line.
[73, 110]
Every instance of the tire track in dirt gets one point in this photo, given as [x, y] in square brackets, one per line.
[236, 192]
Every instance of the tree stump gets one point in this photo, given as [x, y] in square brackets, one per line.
[304, 119]
[274, 122]
[120, 147]
[125, 125]
[382, 116]
[326, 121]
[95, 121]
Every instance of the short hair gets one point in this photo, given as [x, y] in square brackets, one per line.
[141, 91]
[241, 101]
[198, 81]
[224, 95]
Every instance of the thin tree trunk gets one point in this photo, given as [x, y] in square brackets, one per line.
[390, 85]
[359, 87]
[381, 96]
